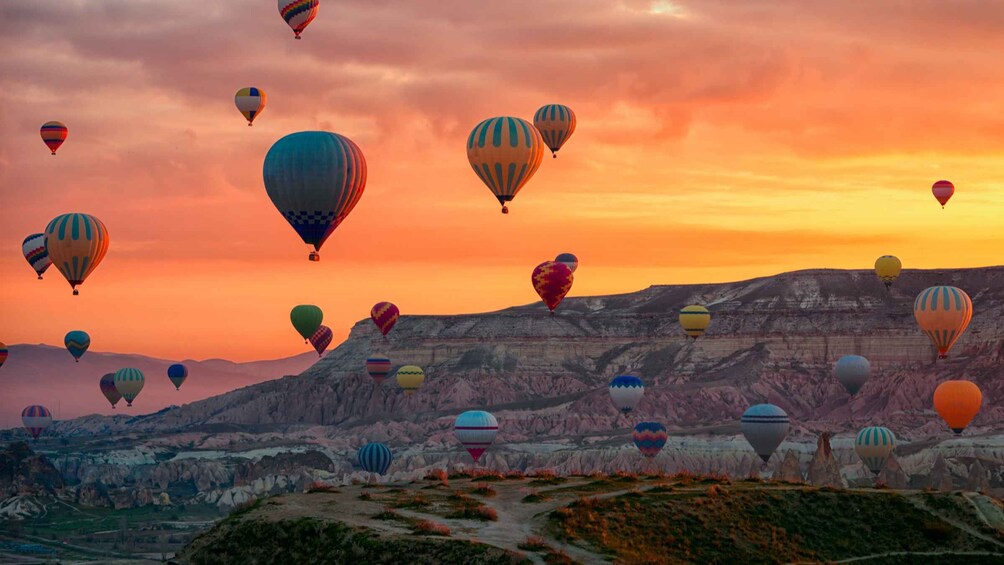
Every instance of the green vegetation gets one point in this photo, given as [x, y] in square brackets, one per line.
[759, 525]
[306, 540]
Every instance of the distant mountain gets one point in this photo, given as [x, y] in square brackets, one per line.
[47, 375]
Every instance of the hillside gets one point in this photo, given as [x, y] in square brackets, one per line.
[626, 518]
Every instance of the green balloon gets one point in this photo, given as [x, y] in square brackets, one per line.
[306, 319]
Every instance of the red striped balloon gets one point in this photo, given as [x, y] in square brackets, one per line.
[53, 134]
[943, 190]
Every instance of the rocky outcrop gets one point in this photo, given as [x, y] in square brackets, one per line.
[282, 464]
[978, 478]
[940, 478]
[23, 472]
[892, 474]
[791, 468]
[823, 468]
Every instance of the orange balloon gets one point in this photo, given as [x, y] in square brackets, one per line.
[943, 313]
[957, 402]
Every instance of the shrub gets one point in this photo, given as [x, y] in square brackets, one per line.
[534, 543]
[365, 496]
[515, 475]
[480, 512]
[558, 557]
[486, 475]
[625, 477]
[936, 531]
[414, 501]
[430, 528]
[318, 486]
[534, 497]
[387, 514]
[546, 477]
[438, 475]
[483, 489]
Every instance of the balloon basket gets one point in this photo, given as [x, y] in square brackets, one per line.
[314, 256]
[76, 292]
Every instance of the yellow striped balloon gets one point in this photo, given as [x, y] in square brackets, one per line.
[887, 267]
[250, 102]
[556, 123]
[505, 152]
[943, 313]
[76, 244]
[694, 319]
[410, 378]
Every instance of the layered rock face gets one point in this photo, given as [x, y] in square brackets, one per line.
[544, 377]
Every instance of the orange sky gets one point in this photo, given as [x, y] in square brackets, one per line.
[716, 141]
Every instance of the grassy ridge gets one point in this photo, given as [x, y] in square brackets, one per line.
[759, 526]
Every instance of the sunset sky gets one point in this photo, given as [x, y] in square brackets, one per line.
[716, 141]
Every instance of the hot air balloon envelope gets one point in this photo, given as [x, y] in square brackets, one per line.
[410, 378]
[177, 374]
[76, 244]
[476, 430]
[108, 389]
[321, 339]
[943, 313]
[36, 419]
[874, 445]
[569, 260]
[556, 123]
[957, 402]
[649, 438]
[552, 281]
[943, 191]
[626, 391]
[306, 319]
[53, 134]
[375, 458]
[505, 152]
[129, 382]
[887, 267]
[765, 427]
[35, 254]
[298, 13]
[250, 102]
[694, 319]
[378, 368]
[852, 371]
[384, 315]
[77, 343]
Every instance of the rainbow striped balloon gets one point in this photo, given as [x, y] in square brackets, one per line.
[378, 368]
[3, 353]
[298, 13]
[874, 445]
[556, 123]
[476, 431]
[76, 244]
[375, 458]
[35, 419]
[650, 438]
[943, 313]
[53, 134]
[34, 252]
[505, 152]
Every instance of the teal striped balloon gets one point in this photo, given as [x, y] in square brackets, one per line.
[129, 382]
[874, 445]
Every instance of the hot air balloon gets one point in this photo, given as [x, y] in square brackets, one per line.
[306, 319]
[852, 371]
[943, 190]
[505, 153]
[375, 458]
[321, 339]
[35, 254]
[384, 315]
[177, 374]
[53, 134]
[35, 419]
[378, 367]
[556, 123]
[943, 313]
[649, 438]
[76, 244]
[410, 378]
[626, 391]
[874, 445]
[108, 389]
[314, 178]
[569, 260]
[552, 281]
[765, 427]
[77, 343]
[250, 101]
[129, 382]
[887, 267]
[694, 319]
[3, 353]
[298, 13]
[476, 430]
[957, 402]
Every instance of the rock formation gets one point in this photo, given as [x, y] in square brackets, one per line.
[791, 468]
[940, 477]
[823, 468]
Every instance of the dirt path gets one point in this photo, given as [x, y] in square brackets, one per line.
[918, 553]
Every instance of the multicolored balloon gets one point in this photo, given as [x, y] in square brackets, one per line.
[505, 152]
[943, 313]
[76, 343]
[852, 371]
[476, 431]
[552, 281]
[626, 391]
[765, 426]
[250, 101]
[3, 353]
[315, 179]
[378, 368]
[298, 13]
[649, 438]
[556, 123]
[35, 254]
[694, 319]
[569, 260]
[943, 191]
[321, 339]
[76, 244]
[887, 267]
[108, 389]
[410, 378]
[129, 382]
[177, 374]
[874, 445]
[53, 134]
[375, 458]
[957, 402]
[384, 315]
[306, 319]
[36, 419]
